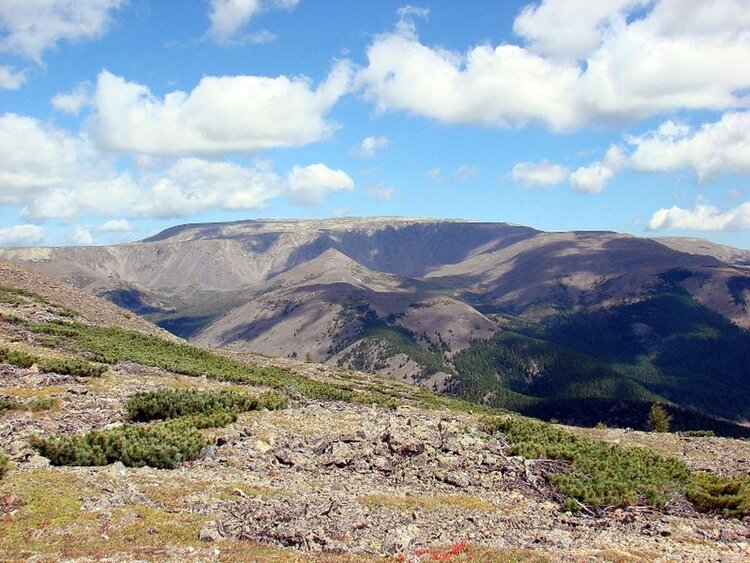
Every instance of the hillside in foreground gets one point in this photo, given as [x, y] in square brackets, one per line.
[119, 442]
[582, 327]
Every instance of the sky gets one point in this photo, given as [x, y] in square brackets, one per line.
[119, 118]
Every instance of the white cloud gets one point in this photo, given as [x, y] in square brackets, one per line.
[309, 185]
[721, 147]
[380, 193]
[591, 179]
[22, 235]
[465, 172]
[35, 157]
[434, 173]
[11, 79]
[369, 146]
[701, 218]
[539, 174]
[115, 226]
[55, 174]
[221, 114]
[81, 235]
[714, 148]
[261, 37]
[571, 29]
[701, 62]
[192, 185]
[74, 101]
[32, 27]
[229, 17]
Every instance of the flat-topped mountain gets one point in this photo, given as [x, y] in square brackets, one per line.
[489, 311]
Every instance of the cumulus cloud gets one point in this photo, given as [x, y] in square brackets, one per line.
[221, 114]
[701, 218]
[580, 63]
[369, 146]
[713, 148]
[73, 102]
[229, 17]
[55, 174]
[720, 147]
[115, 226]
[309, 185]
[539, 174]
[11, 79]
[32, 27]
[192, 185]
[35, 157]
[81, 236]
[22, 235]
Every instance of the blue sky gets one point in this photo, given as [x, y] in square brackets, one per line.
[120, 118]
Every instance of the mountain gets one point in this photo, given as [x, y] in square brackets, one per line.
[120, 442]
[441, 302]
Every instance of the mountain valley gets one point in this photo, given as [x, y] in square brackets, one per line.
[583, 327]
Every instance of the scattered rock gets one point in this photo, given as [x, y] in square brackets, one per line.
[211, 532]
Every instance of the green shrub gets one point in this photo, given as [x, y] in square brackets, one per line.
[4, 464]
[9, 405]
[162, 445]
[598, 474]
[729, 496]
[167, 403]
[71, 366]
[43, 404]
[659, 420]
[17, 358]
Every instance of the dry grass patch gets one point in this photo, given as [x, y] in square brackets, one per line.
[426, 503]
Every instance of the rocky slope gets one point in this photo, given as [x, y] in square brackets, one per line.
[386, 472]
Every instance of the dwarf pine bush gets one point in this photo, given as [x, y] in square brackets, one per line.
[17, 358]
[161, 445]
[167, 403]
[599, 474]
[72, 366]
[727, 495]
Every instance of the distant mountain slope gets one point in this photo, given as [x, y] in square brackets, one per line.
[727, 254]
[413, 297]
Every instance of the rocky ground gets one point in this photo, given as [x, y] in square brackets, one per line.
[320, 477]
[319, 481]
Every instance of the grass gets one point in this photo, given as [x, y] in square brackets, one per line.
[57, 525]
[36, 405]
[4, 465]
[599, 474]
[426, 503]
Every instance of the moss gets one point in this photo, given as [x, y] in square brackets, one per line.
[426, 503]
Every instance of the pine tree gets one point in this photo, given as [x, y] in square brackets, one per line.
[659, 420]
